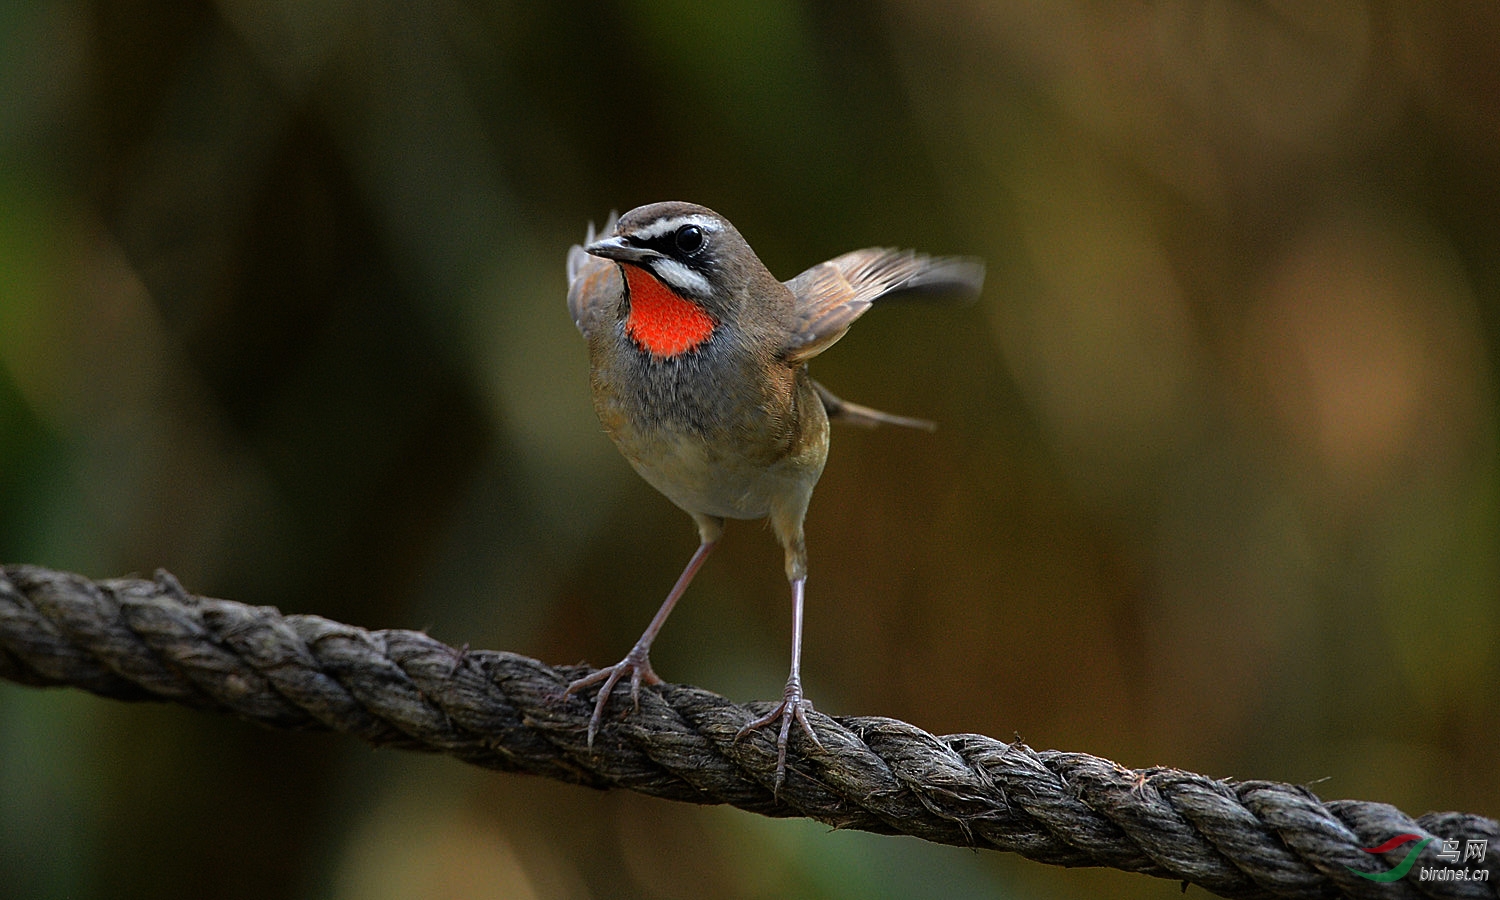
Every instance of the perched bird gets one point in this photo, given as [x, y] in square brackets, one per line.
[698, 365]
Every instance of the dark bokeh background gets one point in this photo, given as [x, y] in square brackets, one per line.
[281, 310]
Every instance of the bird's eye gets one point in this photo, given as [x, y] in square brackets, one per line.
[689, 239]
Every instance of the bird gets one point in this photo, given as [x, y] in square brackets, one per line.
[698, 367]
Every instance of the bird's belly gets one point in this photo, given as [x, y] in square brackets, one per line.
[700, 479]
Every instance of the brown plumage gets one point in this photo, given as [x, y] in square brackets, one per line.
[698, 365]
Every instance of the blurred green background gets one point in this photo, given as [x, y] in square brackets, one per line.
[281, 310]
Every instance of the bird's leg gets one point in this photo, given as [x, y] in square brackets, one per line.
[793, 705]
[637, 663]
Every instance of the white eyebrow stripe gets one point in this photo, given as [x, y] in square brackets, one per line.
[664, 226]
[681, 278]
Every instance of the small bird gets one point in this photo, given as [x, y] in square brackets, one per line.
[698, 366]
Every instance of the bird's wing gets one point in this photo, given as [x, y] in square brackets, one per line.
[593, 283]
[831, 295]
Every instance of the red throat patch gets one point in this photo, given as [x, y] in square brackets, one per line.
[661, 322]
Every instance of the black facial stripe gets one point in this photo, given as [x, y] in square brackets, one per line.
[666, 245]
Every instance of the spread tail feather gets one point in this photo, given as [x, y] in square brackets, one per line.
[863, 416]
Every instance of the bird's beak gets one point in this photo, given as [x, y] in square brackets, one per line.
[616, 248]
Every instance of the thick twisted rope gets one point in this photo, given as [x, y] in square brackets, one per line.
[134, 639]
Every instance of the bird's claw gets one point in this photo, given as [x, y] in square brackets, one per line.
[793, 706]
[638, 664]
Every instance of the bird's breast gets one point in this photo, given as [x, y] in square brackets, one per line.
[717, 435]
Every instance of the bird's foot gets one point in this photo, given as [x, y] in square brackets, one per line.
[793, 706]
[637, 663]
